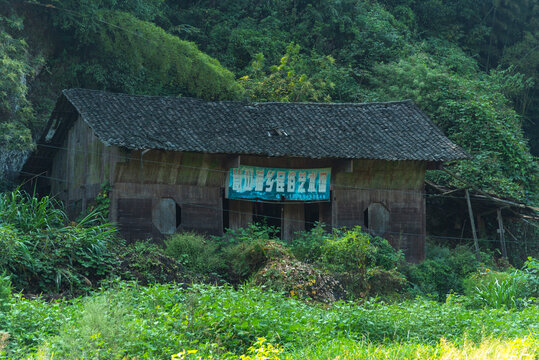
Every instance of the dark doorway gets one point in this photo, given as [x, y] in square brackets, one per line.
[312, 215]
[268, 213]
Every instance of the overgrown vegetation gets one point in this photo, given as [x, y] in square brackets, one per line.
[479, 310]
[41, 251]
[162, 320]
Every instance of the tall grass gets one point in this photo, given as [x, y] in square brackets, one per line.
[29, 213]
[43, 253]
[501, 293]
[487, 349]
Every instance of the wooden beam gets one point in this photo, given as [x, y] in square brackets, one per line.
[434, 165]
[502, 236]
[487, 195]
[233, 162]
[293, 220]
[472, 222]
[344, 165]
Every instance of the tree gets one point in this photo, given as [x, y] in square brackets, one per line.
[286, 82]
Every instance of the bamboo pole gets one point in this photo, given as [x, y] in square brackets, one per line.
[501, 231]
[472, 222]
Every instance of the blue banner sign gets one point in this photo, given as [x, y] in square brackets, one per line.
[251, 182]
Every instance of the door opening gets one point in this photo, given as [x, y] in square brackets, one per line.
[268, 213]
[312, 215]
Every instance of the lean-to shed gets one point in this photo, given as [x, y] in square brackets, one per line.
[178, 163]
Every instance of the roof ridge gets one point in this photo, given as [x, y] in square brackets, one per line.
[338, 103]
[241, 102]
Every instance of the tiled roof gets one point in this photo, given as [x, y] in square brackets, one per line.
[388, 131]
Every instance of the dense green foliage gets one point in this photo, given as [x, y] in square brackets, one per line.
[16, 113]
[361, 51]
[158, 321]
[41, 252]
[125, 319]
[196, 253]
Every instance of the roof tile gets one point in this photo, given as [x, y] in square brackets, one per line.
[388, 131]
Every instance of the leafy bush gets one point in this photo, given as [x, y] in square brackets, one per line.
[5, 292]
[385, 255]
[362, 263]
[383, 282]
[443, 271]
[247, 250]
[42, 253]
[365, 265]
[318, 245]
[133, 321]
[307, 245]
[147, 263]
[348, 251]
[531, 275]
[197, 254]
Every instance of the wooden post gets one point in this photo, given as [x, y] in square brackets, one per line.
[293, 220]
[502, 235]
[472, 222]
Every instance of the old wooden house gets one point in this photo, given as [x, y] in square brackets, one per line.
[177, 163]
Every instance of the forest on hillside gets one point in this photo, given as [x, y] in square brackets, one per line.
[470, 65]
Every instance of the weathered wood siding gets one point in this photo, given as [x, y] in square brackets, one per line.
[80, 166]
[196, 181]
[201, 207]
[398, 186]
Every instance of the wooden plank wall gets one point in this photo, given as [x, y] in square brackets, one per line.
[406, 216]
[80, 167]
[201, 207]
[240, 213]
[196, 181]
[293, 220]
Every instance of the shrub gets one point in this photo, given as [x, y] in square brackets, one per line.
[385, 255]
[531, 275]
[246, 258]
[313, 246]
[307, 245]
[253, 231]
[195, 253]
[348, 251]
[361, 263]
[495, 289]
[443, 271]
[247, 250]
[43, 254]
[146, 263]
[5, 292]
[383, 282]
